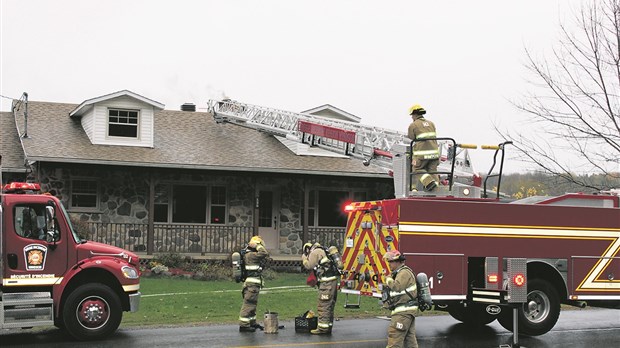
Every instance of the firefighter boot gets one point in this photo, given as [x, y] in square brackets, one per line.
[247, 329]
[431, 186]
[321, 332]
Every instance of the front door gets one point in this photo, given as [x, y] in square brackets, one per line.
[269, 217]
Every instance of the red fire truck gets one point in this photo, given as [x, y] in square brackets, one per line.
[51, 276]
[569, 246]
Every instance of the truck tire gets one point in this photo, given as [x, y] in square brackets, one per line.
[473, 314]
[91, 312]
[539, 314]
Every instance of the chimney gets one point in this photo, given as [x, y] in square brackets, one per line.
[188, 107]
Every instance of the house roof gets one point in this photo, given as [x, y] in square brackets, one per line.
[87, 104]
[10, 147]
[182, 140]
[330, 108]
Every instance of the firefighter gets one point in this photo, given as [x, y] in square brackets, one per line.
[425, 152]
[255, 256]
[402, 301]
[315, 258]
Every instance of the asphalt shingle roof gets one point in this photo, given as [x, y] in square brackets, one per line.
[182, 140]
[10, 148]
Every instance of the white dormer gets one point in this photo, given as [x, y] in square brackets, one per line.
[330, 111]
[121, 118]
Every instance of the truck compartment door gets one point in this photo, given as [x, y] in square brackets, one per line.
[446, 272]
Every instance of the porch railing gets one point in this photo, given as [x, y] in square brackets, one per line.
[327, 236]
[181, 238]
[192, 239]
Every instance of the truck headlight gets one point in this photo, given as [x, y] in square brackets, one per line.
[129, 272]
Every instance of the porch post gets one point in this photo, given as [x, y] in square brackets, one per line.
[150, 235]
[306, 207]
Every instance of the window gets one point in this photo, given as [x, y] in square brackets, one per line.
[326, 207]
[84, 193]
[190, 204]
[123, 123]
[161, 203]
[218, 205]
[30, 221]
[330, 206]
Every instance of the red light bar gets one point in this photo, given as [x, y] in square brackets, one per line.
[20, 187]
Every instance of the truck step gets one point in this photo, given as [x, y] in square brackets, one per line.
[28, 314]
[17, 296]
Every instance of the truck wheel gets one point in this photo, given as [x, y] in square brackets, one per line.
[539, 314]
[473, 314]
[92, 311]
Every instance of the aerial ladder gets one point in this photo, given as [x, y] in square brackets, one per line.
[384, 148]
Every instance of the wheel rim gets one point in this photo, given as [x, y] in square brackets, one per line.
[93, 312]
[537, 307]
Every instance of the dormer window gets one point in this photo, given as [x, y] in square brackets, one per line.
[123, 123]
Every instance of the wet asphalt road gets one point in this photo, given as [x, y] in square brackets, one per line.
[591, 328]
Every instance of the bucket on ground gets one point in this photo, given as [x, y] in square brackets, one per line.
[270, 322]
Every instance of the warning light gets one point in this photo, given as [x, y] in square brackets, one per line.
[21, 187]
[519, 279]
[492, 278]
[348, 208]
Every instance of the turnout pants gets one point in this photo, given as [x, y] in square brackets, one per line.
[401, 332]
[422, 168]
[247, 315]
[328, 292]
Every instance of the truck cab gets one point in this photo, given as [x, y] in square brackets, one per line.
[51, 276]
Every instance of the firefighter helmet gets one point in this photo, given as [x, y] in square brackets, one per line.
[306, 248]
[393, 255]
[256, 240]
[416, 110]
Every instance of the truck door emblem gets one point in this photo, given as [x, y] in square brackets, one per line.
[34, 255]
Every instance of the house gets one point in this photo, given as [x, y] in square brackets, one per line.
[154, 180]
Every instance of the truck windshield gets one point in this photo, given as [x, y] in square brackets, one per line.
[76, 237]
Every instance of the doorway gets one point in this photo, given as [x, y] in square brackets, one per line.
[268, 201]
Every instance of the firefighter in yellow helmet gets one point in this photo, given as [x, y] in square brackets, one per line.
[255, 255]
[425, 150]
[315, 258]
[400, 296]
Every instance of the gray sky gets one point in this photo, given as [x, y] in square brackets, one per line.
[461, 60]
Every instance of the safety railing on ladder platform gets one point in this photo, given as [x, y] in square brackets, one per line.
[498, 148]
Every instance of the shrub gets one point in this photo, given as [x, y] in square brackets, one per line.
[171, 259]
[215, 271]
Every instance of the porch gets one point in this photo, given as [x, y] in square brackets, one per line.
[199, 241]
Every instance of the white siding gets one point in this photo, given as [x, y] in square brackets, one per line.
[100, 123]
[88, 124]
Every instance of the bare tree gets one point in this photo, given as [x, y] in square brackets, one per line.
[573, 109]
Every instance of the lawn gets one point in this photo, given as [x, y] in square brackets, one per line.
[172, 301]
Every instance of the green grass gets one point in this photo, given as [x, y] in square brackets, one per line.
[173, 301]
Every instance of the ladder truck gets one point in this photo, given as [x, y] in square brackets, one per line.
[492, 259]
[381, 147]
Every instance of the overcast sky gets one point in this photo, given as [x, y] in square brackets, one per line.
[461, 60]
